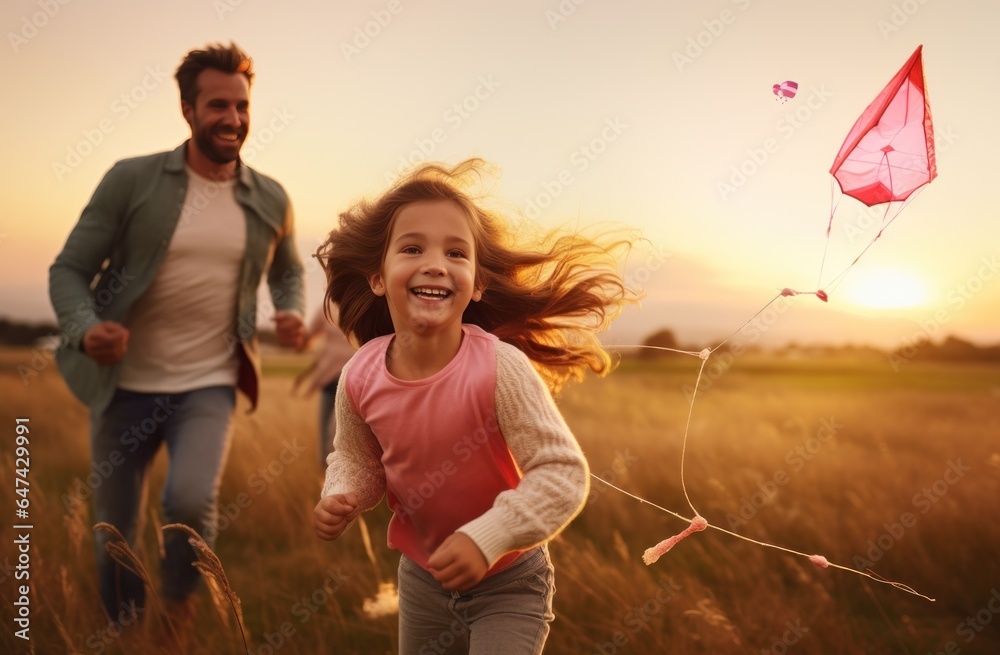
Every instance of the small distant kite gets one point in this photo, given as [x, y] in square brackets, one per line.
[785, 90]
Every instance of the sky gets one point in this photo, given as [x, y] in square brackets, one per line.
[654, 116]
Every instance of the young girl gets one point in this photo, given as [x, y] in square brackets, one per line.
[443, 413]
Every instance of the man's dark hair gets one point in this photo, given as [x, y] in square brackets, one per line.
[228, 59]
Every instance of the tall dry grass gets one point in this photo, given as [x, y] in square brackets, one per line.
[839, 496]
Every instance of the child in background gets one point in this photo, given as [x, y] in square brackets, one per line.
[442, 409]
[324, 373]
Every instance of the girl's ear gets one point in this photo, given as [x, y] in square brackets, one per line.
[477, 295]
[376, 283]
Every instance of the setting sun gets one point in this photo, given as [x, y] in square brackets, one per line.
[887, 289]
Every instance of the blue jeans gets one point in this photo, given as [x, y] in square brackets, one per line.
[124, 441]
[506, 614]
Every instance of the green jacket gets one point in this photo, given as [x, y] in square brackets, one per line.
[113, 253]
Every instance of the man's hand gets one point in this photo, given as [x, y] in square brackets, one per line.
[106, 342]
[333, 514]
[458, 564]
[291, 330]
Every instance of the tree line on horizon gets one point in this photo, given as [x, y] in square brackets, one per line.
[45, 334]
[950, 349]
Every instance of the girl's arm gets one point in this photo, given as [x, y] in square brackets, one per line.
[355, 465]
[556, 476]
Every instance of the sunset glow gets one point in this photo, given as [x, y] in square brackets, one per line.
[669, 129]
[887, 289]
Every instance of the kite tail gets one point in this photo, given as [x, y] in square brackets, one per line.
[656, 552]
[698, 523]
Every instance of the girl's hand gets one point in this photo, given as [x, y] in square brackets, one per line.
[333, 514]
[458, 564]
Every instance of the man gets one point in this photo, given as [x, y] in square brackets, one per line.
[155, 291]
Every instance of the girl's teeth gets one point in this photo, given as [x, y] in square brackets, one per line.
[430, 293]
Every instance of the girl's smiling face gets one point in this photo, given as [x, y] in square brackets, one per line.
[429, 269]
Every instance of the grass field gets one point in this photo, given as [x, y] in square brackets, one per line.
[899, 472]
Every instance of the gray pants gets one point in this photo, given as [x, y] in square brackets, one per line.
[506, 614]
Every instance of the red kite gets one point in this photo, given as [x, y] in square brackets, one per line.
[889, 153]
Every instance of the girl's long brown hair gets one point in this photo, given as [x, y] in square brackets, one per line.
[548, 298]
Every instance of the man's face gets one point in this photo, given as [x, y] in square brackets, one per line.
[220, 117]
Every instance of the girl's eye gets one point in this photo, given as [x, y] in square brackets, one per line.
[411, 250]
[457, 253]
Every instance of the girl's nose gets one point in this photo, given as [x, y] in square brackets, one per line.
[433, 265]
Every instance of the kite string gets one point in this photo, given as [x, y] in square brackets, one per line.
[882, 228]
[872, 575]
[829, 226]
[702, 353]
[687, 430]
[746, 323]
[705, 355]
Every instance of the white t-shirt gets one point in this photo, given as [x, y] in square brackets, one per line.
[178, 328]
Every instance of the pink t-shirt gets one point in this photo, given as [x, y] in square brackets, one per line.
[444, 455]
